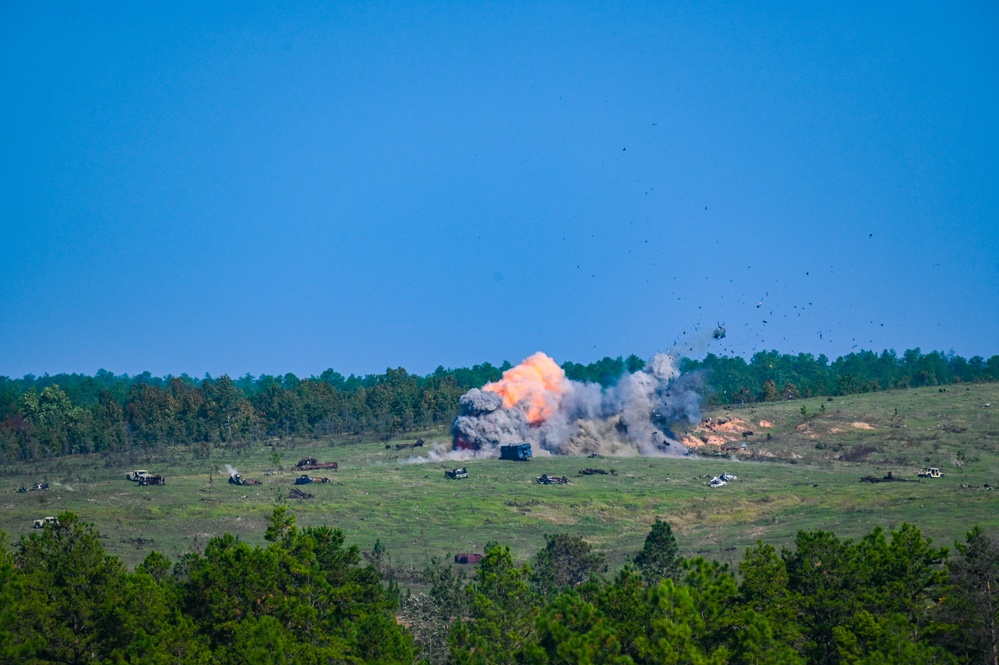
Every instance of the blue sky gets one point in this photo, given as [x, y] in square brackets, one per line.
[270, 188]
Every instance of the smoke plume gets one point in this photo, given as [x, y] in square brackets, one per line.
[535, 403]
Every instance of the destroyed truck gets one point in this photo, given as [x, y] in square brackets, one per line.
[311, 463]
[305, 479]
[457, 474]
[930, 472]
[517, 452]
[237, 479]
[545, 479]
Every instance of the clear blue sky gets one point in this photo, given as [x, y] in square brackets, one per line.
[288, 187]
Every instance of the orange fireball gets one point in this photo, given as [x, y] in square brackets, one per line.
[537, 385]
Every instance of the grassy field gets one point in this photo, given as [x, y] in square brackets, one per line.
[804, 475]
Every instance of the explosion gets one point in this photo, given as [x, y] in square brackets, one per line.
[535, 403]
[537, 384]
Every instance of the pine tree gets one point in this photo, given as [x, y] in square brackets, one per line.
[659, 558]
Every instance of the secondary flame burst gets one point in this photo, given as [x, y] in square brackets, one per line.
[536, 385]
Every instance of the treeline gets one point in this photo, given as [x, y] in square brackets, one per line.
[72, 413]
[770, 376]
[306, 597]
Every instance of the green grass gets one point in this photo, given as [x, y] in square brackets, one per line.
[798, 480]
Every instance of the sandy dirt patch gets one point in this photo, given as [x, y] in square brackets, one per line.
[861, 425]
[717, 432]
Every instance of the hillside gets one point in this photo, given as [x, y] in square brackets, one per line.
[804, 475]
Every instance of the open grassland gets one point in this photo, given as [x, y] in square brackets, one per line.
[806, 475]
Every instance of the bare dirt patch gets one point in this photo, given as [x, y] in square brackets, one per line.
[717, 432]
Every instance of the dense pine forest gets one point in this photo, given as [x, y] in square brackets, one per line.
[307, 597]
[67, 414]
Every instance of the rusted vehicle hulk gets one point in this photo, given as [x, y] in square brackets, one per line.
[311, 464]
[467, 558]
[146, 481]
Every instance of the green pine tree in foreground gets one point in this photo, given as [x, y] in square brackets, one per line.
[306, 597]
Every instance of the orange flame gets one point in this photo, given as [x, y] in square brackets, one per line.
[537, 385]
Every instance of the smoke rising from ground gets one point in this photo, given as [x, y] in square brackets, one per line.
[630, 418]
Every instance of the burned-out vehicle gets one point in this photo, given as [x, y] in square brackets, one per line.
[147, 480]
[545, 479]
[307, 479]
[457, 474]
[311, 464]
[516, 452]
[236, 479]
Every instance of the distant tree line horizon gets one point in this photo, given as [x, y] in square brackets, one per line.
[64, 414]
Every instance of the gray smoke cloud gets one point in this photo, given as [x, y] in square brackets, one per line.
[630, 418]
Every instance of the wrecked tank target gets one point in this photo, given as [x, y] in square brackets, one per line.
[535, 403]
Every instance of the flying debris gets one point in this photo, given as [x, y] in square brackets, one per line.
[719, 332]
